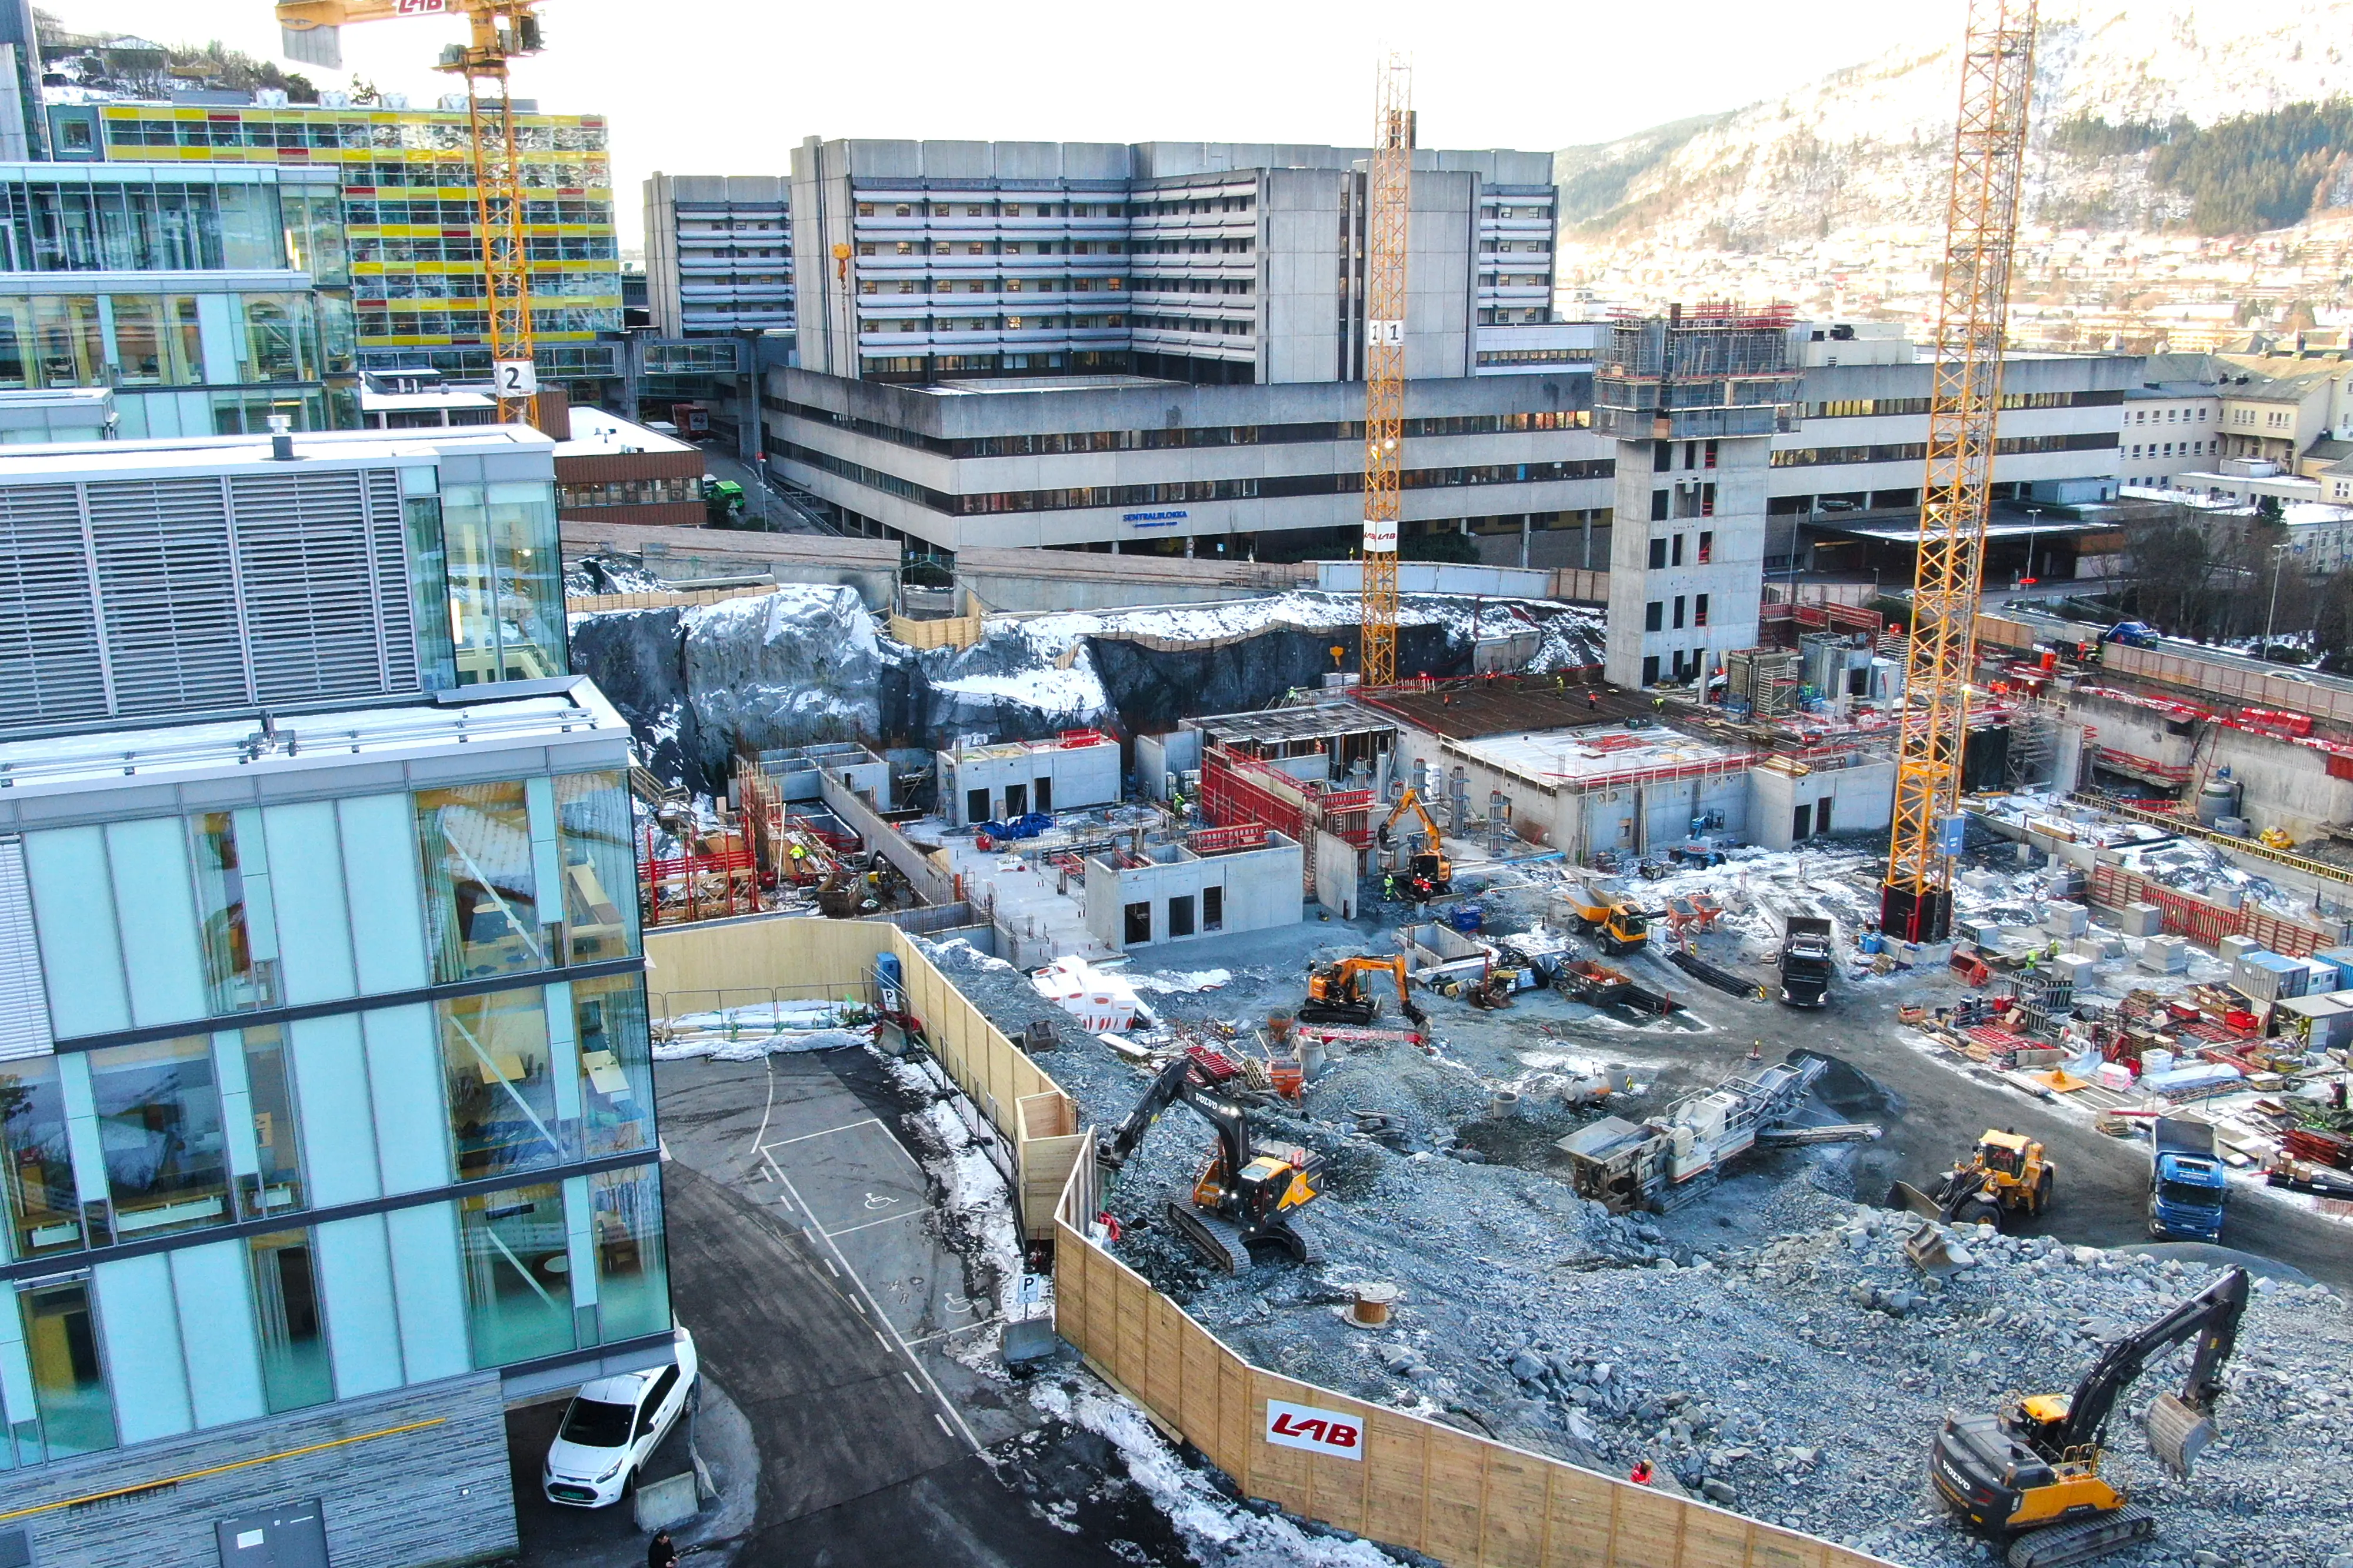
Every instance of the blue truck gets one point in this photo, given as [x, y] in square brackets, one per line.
[2187, 1183]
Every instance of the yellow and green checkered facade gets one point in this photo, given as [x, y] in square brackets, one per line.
[408, 194]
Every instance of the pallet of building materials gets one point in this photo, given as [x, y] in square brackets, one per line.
[2319, 1147]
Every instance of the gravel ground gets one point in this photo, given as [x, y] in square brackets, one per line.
[1768, 1342]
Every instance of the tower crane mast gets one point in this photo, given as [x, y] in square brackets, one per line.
[1972, 319]
[1388, 206]
[500, 31]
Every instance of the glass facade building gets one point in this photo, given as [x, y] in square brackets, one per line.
[332, 1075]
[209, 299]
[408, 186]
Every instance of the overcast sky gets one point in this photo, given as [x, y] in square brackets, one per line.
[731, 86]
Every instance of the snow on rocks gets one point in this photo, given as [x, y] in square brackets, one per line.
[746, 1034]
[1216, 1526]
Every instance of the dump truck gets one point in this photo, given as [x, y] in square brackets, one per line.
[1620, 927]
[2187, 1184]
[1806, 960]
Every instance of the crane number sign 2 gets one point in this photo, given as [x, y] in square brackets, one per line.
[1317, 1431]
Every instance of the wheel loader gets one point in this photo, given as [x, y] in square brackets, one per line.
[2006, 1175]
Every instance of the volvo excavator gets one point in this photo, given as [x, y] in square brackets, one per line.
[2030, 1472]
[1338, 993]
[1429, 874]
[1247, 1196]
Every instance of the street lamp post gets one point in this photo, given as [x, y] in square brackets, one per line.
[2033, 525]
[2271, 617]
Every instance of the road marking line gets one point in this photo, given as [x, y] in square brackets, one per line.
[881, 1341]
[822, 1132]
[830, 1269]
[960, 1328]
[768, 1101]
[910, 1380]
[886, 1219]
[929, 1380]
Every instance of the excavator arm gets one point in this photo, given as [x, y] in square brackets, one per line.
[1180, 1080]
[2211, 1317]
[1411, 802]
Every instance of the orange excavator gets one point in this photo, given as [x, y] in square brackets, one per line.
[1337, 992]
[1430, 874]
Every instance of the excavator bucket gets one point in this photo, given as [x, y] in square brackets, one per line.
[2177, 1433]
[1931, 1252]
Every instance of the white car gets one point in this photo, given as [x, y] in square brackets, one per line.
[613, 1426]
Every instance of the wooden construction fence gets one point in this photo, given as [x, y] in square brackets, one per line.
[2218, 678]
[592, 603]
[951, 631]
[1466, 1501]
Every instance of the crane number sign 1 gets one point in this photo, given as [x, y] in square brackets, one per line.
[1317, 1431]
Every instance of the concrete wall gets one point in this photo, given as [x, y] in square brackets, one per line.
[437, 1493]
[1732, 580]
[1300, 263]
[1339, 867]
[1157, 757]
[1260, 890]
[1080, 776]
[1861, 800]
[851, 766]
[682, 555]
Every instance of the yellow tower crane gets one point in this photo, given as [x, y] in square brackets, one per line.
[1972, 319]
[1389, 189]
[500, 31]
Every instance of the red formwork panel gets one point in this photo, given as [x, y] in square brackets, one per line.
[2202, 922]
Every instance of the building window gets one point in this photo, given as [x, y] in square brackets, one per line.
[38, 1181]
[616, 1089]
[240, 942]
[1679, 612]
[70, 1394]
[276, 1181]
[1650, 666]
[496, 1059]
[1213, 909]
[480, 897]
[632, 1273]
[159, 1124]
[1699, 610]
[517, 1268]
[1180, 915]
[1659, 500]
[1706, 546]
[1677, 554]
[1659, 551]
[506, 601]
[1653, 616]
[600, 876]
[295, 1372]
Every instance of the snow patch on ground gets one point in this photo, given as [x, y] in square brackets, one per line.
[958, 953]
[1217, 1529]
[753, 1048]
[1180, 982]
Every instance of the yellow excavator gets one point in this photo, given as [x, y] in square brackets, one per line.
[1337, 992]
[2029, 1473]
[2007, 1173]
[1429, 874]
[1248, 1196]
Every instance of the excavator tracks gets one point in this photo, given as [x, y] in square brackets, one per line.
[2060, 1544]
[1218, 1242]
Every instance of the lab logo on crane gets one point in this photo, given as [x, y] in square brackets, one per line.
[1317, 1431]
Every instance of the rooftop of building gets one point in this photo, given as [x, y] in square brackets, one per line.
[453, 398]
[568, 713]
[944, 163]
[1504, 705]
[598, 433]
[1279, 727]
[65, 461]
[1594, 753]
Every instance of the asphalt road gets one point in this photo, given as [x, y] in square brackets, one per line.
[806, 1278]
[1933, 1114]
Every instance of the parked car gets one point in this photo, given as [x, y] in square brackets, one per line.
[613, 1427]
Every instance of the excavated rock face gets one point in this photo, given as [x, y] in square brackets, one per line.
[805, 665]
[1153, 688]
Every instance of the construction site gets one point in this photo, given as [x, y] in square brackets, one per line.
[1865, 1084]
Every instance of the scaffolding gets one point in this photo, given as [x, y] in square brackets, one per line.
[2033, 747]
[1767, 682]
[1716, 370]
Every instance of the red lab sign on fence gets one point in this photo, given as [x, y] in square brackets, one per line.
[1317, 1431]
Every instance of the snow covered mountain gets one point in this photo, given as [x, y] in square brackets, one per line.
[1866, 148]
